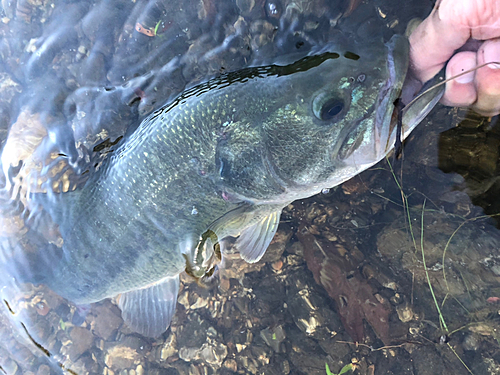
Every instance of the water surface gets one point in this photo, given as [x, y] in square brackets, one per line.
[345, 267]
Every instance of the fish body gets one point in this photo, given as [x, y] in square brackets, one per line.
[225, 157]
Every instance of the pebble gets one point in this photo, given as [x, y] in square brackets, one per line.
[107, 320]
[121, 357]
[42, 370]
[81, 341]
[405, 312]
[212, 354]
[471, 342]
[231, 364]
[274, 337]
[277, 266]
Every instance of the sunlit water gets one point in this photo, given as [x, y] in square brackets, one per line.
[345, 267]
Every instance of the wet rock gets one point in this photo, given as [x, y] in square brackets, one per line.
[274, 337]
[356, 299]
[167, 351]
[211, 354]
[166, 83]
[200, 342]
[98, 114]
[107, 319]
[337, 348]
[278, 244]
[462, 250]
[483, 328]
[273, 8]
[92, 70]
[486, 365]
[120, 357]
[126, 354]
[405, 312]
[81, 341]
[261, 353]
[230, 364]
[471, 342]
[104, 18]
[269, 294]
[307, 356]
[427, 361]
[465, 147]
[241, 338]
[25, 136]
[196, 301]
[86, 364]
[245, 6]
[195, 333]
[262, 33]
[61, 35]
[236, 268]
[43, 330]
[43, 370]
[8, 88]
[8, 365]
[277, 266]
[296, 248]
[249, 364]
[309, 309]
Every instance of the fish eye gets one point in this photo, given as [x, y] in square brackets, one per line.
[326, 108]
[331, 109]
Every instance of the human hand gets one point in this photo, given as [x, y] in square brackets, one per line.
[454, 25]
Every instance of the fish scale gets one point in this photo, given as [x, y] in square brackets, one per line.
[223, 159]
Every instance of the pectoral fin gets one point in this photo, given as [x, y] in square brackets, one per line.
[150, 310]
[255, 226]
[254, 240]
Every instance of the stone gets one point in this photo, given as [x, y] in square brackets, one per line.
[107, 320]
[81, 341]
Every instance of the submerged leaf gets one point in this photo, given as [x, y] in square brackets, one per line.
[345, 369]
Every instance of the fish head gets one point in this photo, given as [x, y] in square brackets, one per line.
[329, 117]
[339, 119]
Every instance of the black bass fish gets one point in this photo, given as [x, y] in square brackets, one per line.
[222, 160]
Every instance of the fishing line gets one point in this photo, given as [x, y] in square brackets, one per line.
[400, 109]
[444, 81]
[398, 145]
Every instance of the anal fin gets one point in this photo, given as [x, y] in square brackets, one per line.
[150, 310]
[255, 239]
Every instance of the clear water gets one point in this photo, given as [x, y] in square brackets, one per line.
[344, 280]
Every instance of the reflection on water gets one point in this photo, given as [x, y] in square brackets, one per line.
[346, 266]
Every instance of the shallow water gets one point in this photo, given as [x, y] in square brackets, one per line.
[345, 266]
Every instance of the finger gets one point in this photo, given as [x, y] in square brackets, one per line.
[435, 40]
[488, 79]
[461, 91]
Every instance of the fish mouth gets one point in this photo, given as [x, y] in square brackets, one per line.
[397, 66]
[382, 129]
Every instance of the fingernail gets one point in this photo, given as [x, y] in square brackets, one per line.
[467, 77]
[492, 54]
